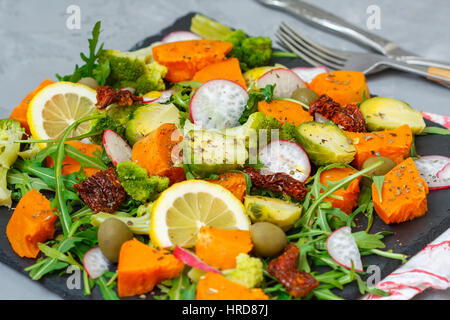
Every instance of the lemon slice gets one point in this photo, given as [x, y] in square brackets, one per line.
[57, 106]
[185, 207]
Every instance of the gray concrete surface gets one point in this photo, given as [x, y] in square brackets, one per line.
[35, 43]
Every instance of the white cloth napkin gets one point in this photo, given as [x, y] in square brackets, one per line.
[430, 268]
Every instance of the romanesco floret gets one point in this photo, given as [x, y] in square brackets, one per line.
[138, 184]
[10, 131]
[115, 119]
[248, 272]
[287, 132]
[134, 69]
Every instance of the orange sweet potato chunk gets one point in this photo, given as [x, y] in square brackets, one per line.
[141, 267]
[154, 153]
[403, 196]
[393, 144]
[228, 69]
[184, 58]
[233, 182]
[285, 111]
[32, 222]
[19, 113]
[213, 286]
[219, 248]
[349, 195]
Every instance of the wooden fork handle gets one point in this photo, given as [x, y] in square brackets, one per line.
[441, 73]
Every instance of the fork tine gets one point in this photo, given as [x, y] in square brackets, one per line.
[305, 54]
[311, 50]
[313, 46]
[285, 43]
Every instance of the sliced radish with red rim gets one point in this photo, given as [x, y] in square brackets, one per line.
[116, 147]
[164, 97]
[342, 248]
[286, 82]
[308, 74]
[218, 104]
[180, 36]
[320, 118]
[95, 263]
[435, 170]
[192, 260]
[288, 157]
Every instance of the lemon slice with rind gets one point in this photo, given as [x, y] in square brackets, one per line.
[57, 106]
[185, 207]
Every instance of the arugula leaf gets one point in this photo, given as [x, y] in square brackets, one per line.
[379, 180]
[90, 69]
[434, 130]
[254, 97]
[365, 240]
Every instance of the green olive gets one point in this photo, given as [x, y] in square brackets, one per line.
[381, 170]
[90, 82]
[112, 233]
[268, 239]
[305, 95]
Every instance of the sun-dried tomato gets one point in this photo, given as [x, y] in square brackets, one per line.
[102, 192]
[107, 96]
[349, 117]
[278, 182]
[284, 268]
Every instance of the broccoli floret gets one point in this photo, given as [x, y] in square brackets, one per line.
[256, 51]
[115, 119]
[248, 272]
[134, 69]
[287, 132]
[100, 125]
[5, 193]
[252, 52]
[10, 131]
[138, 184]
[137, 225]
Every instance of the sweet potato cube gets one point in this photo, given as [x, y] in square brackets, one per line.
[213, 286]
[32, 222]
[219, 248]
[141, 267]
[393, 144]
[403, 196]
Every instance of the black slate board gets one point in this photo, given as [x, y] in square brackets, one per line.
[408, 238]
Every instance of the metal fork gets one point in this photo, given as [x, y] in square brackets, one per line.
[335, 59]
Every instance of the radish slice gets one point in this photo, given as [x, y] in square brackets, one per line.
[286, 82]
[131, 89]
[288, 157]
[146, 100]
[308, 74]
[164, 97]
[343, 249]
[320, 118]
[95, 263]
[180, 36]
[218, 104]
[444, 173]
[435, 170]
[116, 147]
[192, 260]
